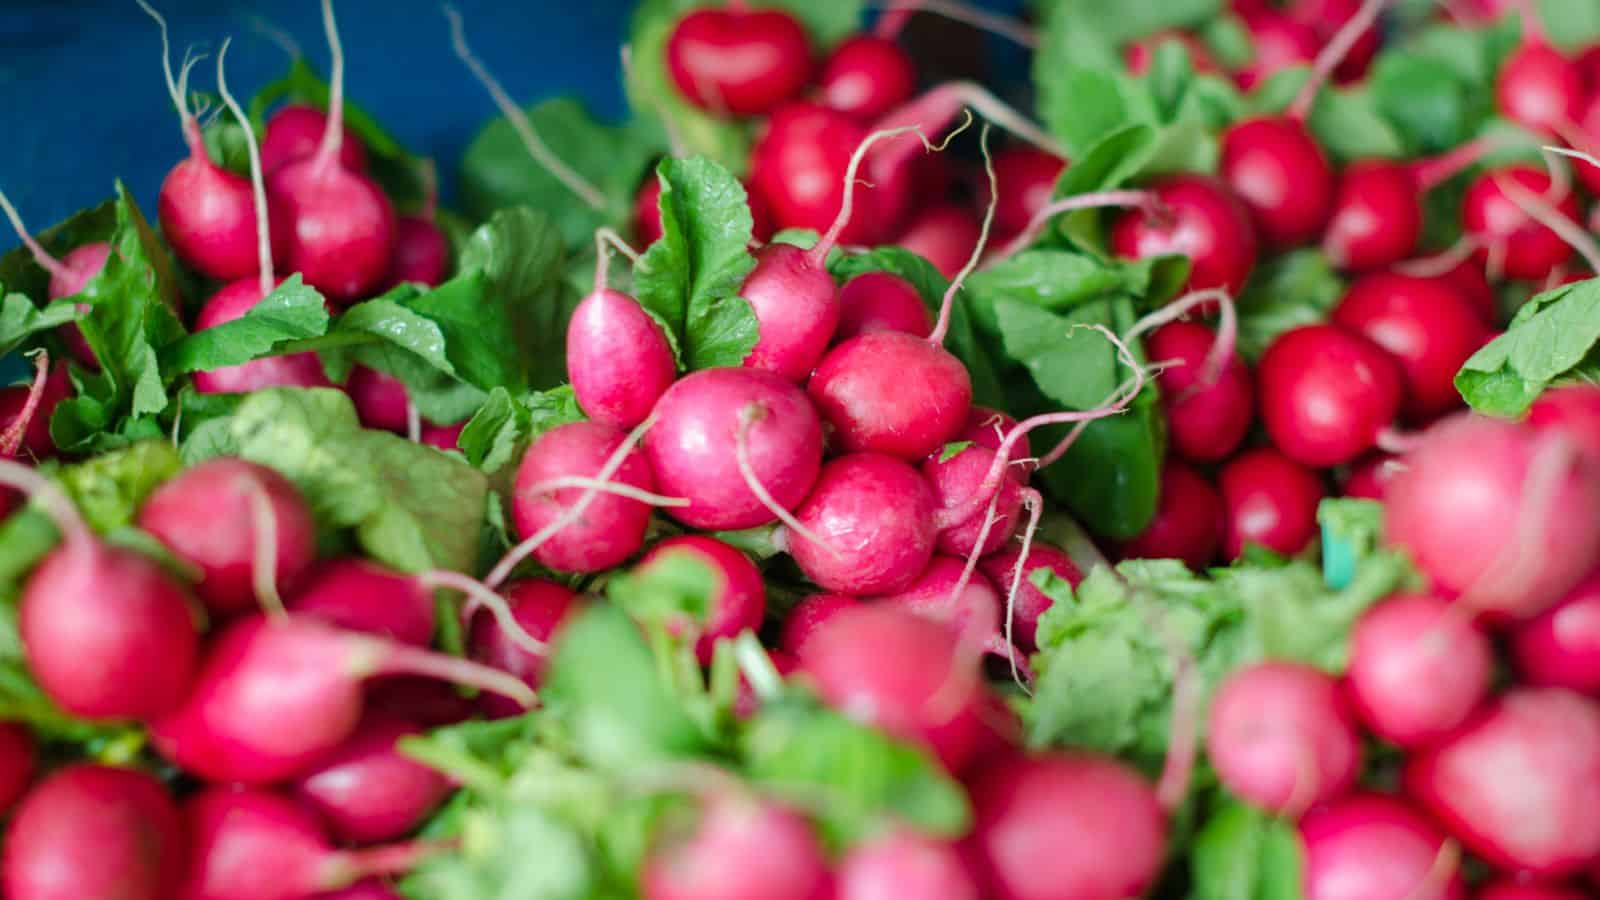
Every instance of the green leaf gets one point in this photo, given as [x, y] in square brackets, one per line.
[1242, 853]
[952, 450]
[1428, 101]
[1111, 162]
[1347, 122]
[1571, 26]
[1297, 288]
[19, 271]
[293, 311]
[21, 320]
[1552, 336]
[1351, 530]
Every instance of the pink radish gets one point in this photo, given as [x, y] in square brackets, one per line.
[967, 603]
[1199, 218]
[1328, 16]
[961, 476]
[988, 428]
[380, 399]
[367, 791]
[1418, 669]
[943, 234]
[363, 596]
[808, 616]
[1513, 890]
[1207, 417]
[1188, 523]
[1509, 240]
[231, 302]
[295, 132]
[1572, 409]
[1326, 394]
[1270, 500]
[1371, 845]
[1560, 647]
[1279, 42]
[69, 275]
[892, 392]
[1370, 476]
[1029, 603]
[1025, 180]
[874, 516]
[89, 832]
[1377, 212]
[1472, 284]
[904, 865]
[18, 760]
[1281, 736]
[444, 437]
[540, 608]
[1546, 740]
[881, 301]
[259, 674]
[618, 358]
[866, 76]
[738, 61]
[421, 250]
[738, 602]
[611, 527]
[741, 848]
[1538, 87]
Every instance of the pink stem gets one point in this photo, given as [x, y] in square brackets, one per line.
[1442, 262]
[1035, 503]
[818, 254]
[1182, 734]
[1227, 328]
[1532, 25]
[615, 489]
[942, 327]
[1437, 882]
[11, 438]
[480, 596]
[1097, 200]
[49, 495]
[40, 254]
[1127, 392]
[1536, 208]
[430, 189]
[349, 866]
[392, 658]
[258, 186]
[1431, 172]
[938, 107]
[1334, 54]
[333, 134]
[896, 15]
[604, 238]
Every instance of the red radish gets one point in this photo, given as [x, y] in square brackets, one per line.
[1279, 42]
[1371, 845]
[69, 275]
[368, 791]
[1327, 394]
[1029, 603]
[739, 61]
[1512, 890]
[1418, 668]
[1271, 501]
[540, 609]
[722, 433]
[421, 252]
[881, 301]
[1199, 219]
[618, 359]
[1066, 826]
[1025, 180]
[252, 844]
[89, 832]
[742, 848]
[875, 518]
[808, 616]
[296, 131]
[1276, 167]
[363, 596]
[1538, 87]
[647, 212]
[611, 527]
[1138, 55]
[381, 399]
[1543, 822]
[1572, 409]
[987, 428]
[1509, 239]
[897, 671]
[213, 516]
[1206, 421]
[1469, 281]
[17, 763]
[79, 266]
[1496, 513]
[444, 437]
[904, 865]
[1281, 737]
[866, 76]
[27, 431]
[1328, 16]
[738, 601]
[259, 675]
[1188, 523]
[427, 702]
[1585, 136]
[798, 165]
[291, 370]
[1377, 212]
[968, 604]
[892, 392]
[1369, 478]
[943, 234]
[1429, 329]
[961, 476]
[796, 305]
[1560, 647]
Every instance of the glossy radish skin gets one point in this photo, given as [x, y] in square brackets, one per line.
[738, 602]
[904, 865]
[944, 234]
[1376, 218]
[1188, 523]
[1573, 410]
[1066, 826]
[881, 301]
[1202, 221]
[1275, 166]
[208, 216]
[119, 609]
[987, 428]
[1281, 736]
[960, 478]
[1371, 845]
[381, 400]
[798, 167]
[18, 760]
[421, 252]
[232, 301]
[740, 849]
[295, 132]
[1326, 394]
[973, 615]
[362, 595]
[618, 359]
[1547, 823]
[1369, 477]
[1025, 179]
[866, 77]
[1539, 88]
[367, 791]
[88, 832]
[541, 608]
[808, 616]
[1279, 42]
[342, 227]
[1417, 669]
[206, 515]
[36, 440]
[875, 516]
[796, 307]
[890, 392]
[1429, 329]
[612, 527]
[647, 212]
[737, 61]
[884, 666]
[1458, 509]
[1560, 647]
[693, 448]
[1270, 500]
[1031, 603]
[1528, 250]
[1205, 423]
[1327, 17]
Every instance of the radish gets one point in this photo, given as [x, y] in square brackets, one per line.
[1198, 218]
[18, 761]
[1377, 213]
[259, 674]
[1370, 476]
[874, 518]
[367, 791]
[88, 832]
[1025, 180]
[252, 844]
[968, 604]
[1208, 412]
[1543, 821]
[962, 476]
[618, 358]
[902, 673]
[295, 132]
[1538, 87]
[421, 250]
[610, 527]
[738, 601]
[1429, 329]
[987, 428]
[1281, 737]
[1188, 523]
[540, 608]
[412, 698]
[1560, 647]
[1418, 668]
[809, 615]
[741, 445]
[1328, 16]
[1066, 826]
[90, 601]
[444, 437]
[647, 211]
[1472, 284]
[1513, 890]
[231, 302]
[69, 275]
[880, 301]
[380, 399]
[1371, 845]
[943, 234]
[741, 848]
[1279, 42]
[1029, 603]
[892, 392]
[25, 411]
[1573, 410]
[866, 76]
[1271, 501]
[1327, 395]
[739, 61]
[371, 889]
[1508, 239]
[342, 226]
[1495, 512]
[904, 865]
[1138, 55]
[218, 515]
[363, 596]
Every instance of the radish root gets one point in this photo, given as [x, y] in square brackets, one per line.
[40, 254]
[741, 454]
[333, 133]
[1227, 328]
[258, 186]
[11, 438]
[942, 327]
[1333, 54]
[264, 556]
[480, 597]
[564, 482]
[1540, 210]
[1097, 200]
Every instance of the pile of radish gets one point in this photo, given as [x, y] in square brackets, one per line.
[786, 494]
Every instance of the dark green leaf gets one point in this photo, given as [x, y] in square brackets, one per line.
[1428, 101]
[1551, 336]
[1242, 853]
[21, 320]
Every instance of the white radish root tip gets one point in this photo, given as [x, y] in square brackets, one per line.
[942, 327]
[264, 550]
[1034, 501]
[1227, 328]
[258, 187]
[333, 133]
[401, 659]
[564, 482]
[35, 249]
